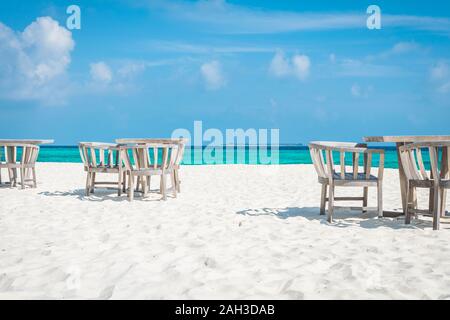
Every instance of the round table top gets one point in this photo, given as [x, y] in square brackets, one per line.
[27, 141]
[405, 139]
[150, 140]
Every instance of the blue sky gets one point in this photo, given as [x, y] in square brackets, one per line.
[145, 68]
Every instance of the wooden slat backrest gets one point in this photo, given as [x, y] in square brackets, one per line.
[317, 162]
[412, 159]
[126, 158]
[434, 162]
[29, 153]
[165, 155]
[355, 149]
[180, 154]
[105, 151]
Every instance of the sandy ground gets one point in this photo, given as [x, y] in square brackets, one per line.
[240, 232]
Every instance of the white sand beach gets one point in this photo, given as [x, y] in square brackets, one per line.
[234, 232]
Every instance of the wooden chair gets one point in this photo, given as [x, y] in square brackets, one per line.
[437, 180]
[330, 178]
[99, 157]
[2, 162]
[177, 163]
[26, 165]
[151, 159]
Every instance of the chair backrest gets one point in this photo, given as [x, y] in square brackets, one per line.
[164, 156]
[99, 154]
[29, 153]
[2, 155]
[412, 158]
[322, 157]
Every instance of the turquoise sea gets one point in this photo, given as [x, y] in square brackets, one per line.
[196, 155]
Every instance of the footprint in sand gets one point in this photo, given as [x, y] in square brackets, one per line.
[106, 293]
[5, 282]
[104, 238]
[211, 263]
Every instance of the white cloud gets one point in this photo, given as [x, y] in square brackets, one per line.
[196, 48]
[355, 90]
[439, 71]
[440, 76]
[360, 92]
[223, 17]
[33, 62]
[445, 88]
[280, 66]
[131, 69]
[299, 66]
[101, 72]
[212, 74]
[404, 47]
[332, 58]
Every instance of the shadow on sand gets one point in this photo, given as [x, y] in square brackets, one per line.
[104, 194]
[343, 218]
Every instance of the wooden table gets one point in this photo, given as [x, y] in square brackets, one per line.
[400, 141]
[150, 140]
[11, 150]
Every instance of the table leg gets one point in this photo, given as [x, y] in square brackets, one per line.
[444, 175]
[11, 155]
[402, 177]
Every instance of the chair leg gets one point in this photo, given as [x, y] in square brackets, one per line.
[144, 186]
[330, 203]
[174, 184]
[149, 183]
[323, 200]
[177, 180]
[379, 198]
[442, 201]
[92, 182]
[365, 196]
[124, 182]
[407, 214]
[119, 184]
[130, 187]
[33, 170]
[88, 184]
[14, 177]
[163, 186]
[138, 183]
[22, 177]
[436, 209]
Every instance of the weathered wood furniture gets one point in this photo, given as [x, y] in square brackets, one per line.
[438, 181]
[29, 154]
[400, 141]
[10, 154]
[151, 159]
[100, 158]
[181, 145]
[329, 177]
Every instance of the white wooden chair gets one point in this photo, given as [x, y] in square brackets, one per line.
[102, 158]
[2, 162]
[177, 163]
[152, 159]
[330, 178]
[26, 165]
[437, 178]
